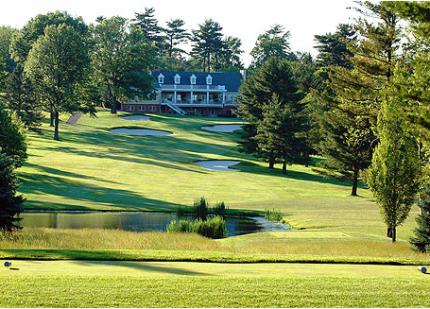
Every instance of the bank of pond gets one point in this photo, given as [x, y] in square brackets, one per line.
[138, 221]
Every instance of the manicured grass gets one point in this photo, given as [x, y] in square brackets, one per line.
[95, 170]
[131, 284]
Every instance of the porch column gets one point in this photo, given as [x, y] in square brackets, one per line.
[191, 97]
[223, 98]
[174, 97]
[207, 97]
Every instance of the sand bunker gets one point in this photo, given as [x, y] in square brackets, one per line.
[223, 128]
[216, 165]
[139, 131]
[136, 118]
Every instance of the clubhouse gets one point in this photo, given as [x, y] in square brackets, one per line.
[190, 93]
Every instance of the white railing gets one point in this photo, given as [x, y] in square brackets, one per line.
[192, 87]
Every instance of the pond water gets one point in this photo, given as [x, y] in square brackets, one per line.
[223, 128]
[137, 222]
[138, 131]
[218, 165]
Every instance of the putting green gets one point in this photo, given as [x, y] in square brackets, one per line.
[156, 269]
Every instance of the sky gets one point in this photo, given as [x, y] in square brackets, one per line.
[243, 19]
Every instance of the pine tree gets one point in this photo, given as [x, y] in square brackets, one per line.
[422, 233]
[10, 203]
[175, 35]
[274, 77]
[149, 26]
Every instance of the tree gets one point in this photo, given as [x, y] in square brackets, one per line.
[122, 59]
[274, 77]
[353, 98]
[20, 98]
[10, 203]
[6, 34]
[12, 139]
[278, 132]
[176, 35]
[207, 44]
[394, 176]
[230, 55]
[57, 64]
[149, 26]
[421, 241]
[272, 43]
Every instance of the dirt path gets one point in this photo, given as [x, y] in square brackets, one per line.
[74, 118]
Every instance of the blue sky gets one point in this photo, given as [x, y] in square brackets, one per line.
[243, 19]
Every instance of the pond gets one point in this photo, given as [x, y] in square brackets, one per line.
[135, 221]
[218, 165]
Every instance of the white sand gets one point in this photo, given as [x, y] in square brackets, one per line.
[136, 118]
[223, 128]
[218, 165]
[139, 131]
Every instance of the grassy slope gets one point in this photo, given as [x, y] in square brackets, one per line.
[152, 284]
[93, 169]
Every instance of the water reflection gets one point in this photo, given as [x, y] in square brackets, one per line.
[137, 222]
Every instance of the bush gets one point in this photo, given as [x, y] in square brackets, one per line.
[200, 208]
[273, 215]
[214, 228]
[219, 209]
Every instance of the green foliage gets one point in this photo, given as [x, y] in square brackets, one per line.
[272, 43]
[10, 202]
[395, 173]
[12, 139]
[421, 241]
[219, 209]
[213, 227]
[122, 58]
[273, 215]
[57, 64]
[201, 208]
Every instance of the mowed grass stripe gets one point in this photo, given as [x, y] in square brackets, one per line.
[157, 269]
[192, 291]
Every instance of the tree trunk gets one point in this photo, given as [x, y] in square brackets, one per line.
[284, 168]
[391, 233]
[57, 123]
[113, 107]
[52, 119]
[354, 184]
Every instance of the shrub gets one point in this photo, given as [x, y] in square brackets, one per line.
[200, 208]
[214, 227]
[273, 215]
[219, 209]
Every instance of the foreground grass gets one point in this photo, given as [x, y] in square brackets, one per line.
[157, 285]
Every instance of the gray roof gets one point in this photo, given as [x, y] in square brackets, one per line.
[231, 81]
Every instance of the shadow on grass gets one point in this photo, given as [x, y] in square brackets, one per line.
[80, 191]
[142, 266]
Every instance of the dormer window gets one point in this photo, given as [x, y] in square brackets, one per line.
[177, 79]
[161, 79]
[209, 80]
[193, 79]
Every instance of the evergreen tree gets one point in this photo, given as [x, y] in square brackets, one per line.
[12, 139]
[421, 241]
[176, 35]
[149, 25]
[10, 203]
[278, 132]
[274, 77]
[273, 43]
[230, 55]
[207, 45]
[20, 98]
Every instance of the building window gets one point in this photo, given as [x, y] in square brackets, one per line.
[209, 80]
[177, 79]
[130, 108]
[141, 108]
[161, 79]
[152, 108]
[193, 79]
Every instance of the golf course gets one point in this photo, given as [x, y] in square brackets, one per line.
[336, 255]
